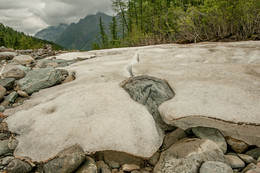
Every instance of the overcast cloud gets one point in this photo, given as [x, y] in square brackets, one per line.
[31, 16]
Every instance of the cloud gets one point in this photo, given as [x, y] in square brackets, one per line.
[31, 16]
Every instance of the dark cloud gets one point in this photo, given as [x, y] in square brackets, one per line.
[31, 16]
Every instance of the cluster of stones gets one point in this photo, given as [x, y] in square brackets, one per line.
[22, 74]
[199, 149]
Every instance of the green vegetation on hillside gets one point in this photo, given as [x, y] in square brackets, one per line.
[18, 40]
[144, 22]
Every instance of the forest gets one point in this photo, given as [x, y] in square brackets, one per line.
[145, 22]
[18, 40]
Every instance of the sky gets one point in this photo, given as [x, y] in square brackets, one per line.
[30, 16]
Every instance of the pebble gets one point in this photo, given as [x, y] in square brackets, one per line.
[130, 167]
[7, 160]
[246, 158]
[235, 161]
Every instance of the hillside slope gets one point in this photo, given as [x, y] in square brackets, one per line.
[51, 33]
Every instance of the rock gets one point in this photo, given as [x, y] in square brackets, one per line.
[135, 171]
[258, 160]
[12, 71]
[255, 170]
[24, 59]
[18, 166]
[7, 55]
[7, 83]
[4, 148]
[13, 143]
[41, 64]
[66, 161]
[235, 161]
[89, 166]
[39, 79]
[255, 153]
[215, 167]
[121, 158]
[102, 166]
[151, 92]
[7, 160]
[113, 165]
[130, 167]
[25, 69]
[212, 134]
[187, 155]
[246, 158]
[173, 137]
[2, 92]
[237, 145]
[22, 94]
[5, 104]
[154, 159]
[249, 167]
[11, 97]
[69, 78]
[2, 108]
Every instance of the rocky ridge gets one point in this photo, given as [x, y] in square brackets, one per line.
[188, 146]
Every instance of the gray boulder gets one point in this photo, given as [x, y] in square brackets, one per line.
[237, 145]
[255, 153]
[7, 55]
[215, 167]
[121, 158]
[11, 97]
[187, 155]
[36, 80]
[12, 71]
[173, 137]
[8, 83]
[89, 166]
[4, 148]
[66, 161]
[2, 92]
[18, 166]
[212, 134]
[151, 92]
[23, 59]
[235, 161]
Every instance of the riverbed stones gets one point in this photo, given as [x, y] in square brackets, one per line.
[246, 158]
[4, 148]
[255, 153]
[11, 97]
[7, 55]
[12, 71]
[237, 145]
[130, 167]
[89, 166]
[66, 161]
[212, 134]
[7, 83]
[187, 155]
[121, 158]
[23, 59]
[40, 79]
[215, 167]
[235, 161]
[2, 92]
[18, 166]
[173, 137]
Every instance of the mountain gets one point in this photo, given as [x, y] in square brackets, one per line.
[82, 34]
[11, 38]
[79, 35]
[51, 33]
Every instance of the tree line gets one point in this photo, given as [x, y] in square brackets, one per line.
[145, 22]
[18, 40]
